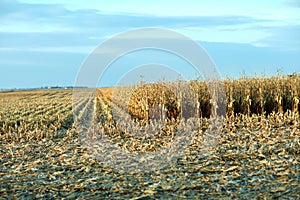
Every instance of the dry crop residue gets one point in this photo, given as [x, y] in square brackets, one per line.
[42, 156]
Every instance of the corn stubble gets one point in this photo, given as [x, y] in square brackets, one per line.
[256, 154]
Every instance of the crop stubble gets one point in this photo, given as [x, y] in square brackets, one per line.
[257, 153]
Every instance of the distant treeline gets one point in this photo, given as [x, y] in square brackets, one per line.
[41, 88]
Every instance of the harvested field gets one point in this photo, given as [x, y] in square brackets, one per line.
[256, 154]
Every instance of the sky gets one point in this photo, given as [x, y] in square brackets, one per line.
[45, 43]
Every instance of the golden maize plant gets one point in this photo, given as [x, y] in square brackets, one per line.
[152, 101]
[243, 96]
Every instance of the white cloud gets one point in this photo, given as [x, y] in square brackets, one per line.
[31, 27]
[275, 9]
[230, 22]
[238, 34]
[62, 49]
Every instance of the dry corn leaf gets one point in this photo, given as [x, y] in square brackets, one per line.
[232, 168]
[279, 189]
[149, 192]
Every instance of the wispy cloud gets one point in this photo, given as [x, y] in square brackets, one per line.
[292, 3]
[62, 32]
[62, 49]
[60, 25]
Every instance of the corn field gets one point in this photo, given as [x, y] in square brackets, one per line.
[247, 96]
[256, 155]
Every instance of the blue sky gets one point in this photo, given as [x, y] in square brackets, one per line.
[44, 43]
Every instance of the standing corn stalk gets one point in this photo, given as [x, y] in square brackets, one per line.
[295, 103]
[196, 88]
[248, 101]
[278, 97]
[162, 107]
[213, 100]
[261, 100]
[230, 108]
